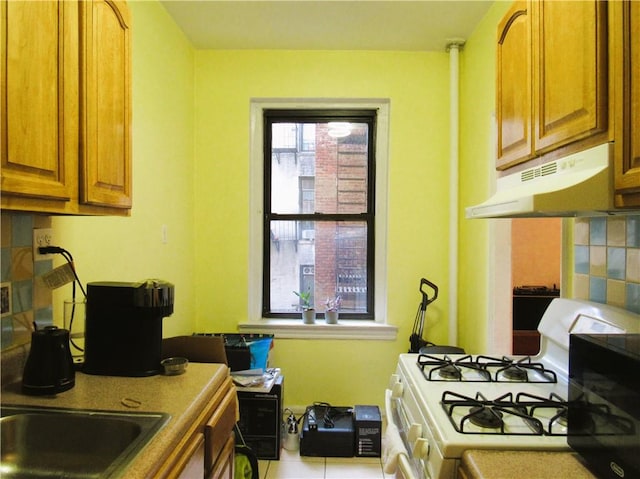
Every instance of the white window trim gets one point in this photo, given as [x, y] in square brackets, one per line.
[345, 329]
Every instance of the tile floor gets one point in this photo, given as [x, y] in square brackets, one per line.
[293, 466]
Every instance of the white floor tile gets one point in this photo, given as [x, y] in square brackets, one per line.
[302, 469]
[351, 460]
[353, 470]
[286, 455]
[292, 466]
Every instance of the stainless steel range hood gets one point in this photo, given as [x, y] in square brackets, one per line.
[580, 184]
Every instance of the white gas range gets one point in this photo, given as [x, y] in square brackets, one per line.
[441, 405]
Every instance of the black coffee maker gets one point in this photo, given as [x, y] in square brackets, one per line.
[49, 367]
[123, 329]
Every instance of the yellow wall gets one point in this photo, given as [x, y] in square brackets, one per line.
[477, 106]
[130, 249]
[340, 372]
[191, 167]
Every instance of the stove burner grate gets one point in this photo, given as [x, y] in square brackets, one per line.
[515, 373]
[450, 371]
[446, 369]
[554, 405]
[489, 416]
[483, 416]
[508, 370]
[484, 369]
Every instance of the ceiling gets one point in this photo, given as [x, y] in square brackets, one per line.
[416, 25]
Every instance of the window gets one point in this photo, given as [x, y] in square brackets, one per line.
[319, 205]
[282, 324]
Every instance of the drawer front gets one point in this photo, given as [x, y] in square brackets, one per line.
[224, 466]
[192, 463]
[219, 428]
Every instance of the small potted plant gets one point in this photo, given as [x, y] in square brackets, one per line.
[331, 311]
[308, 312]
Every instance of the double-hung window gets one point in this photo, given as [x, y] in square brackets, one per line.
[319, 198]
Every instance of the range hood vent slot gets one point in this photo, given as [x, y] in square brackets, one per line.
[549, 169]
[544, 170]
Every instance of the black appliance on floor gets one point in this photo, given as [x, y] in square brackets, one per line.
[327, 431]
[261, 419]
[123, 330]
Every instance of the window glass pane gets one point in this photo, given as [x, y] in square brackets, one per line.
[325, 258]
[308, 136]
[319, 167]
[284, 136]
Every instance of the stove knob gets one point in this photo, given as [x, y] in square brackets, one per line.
[415, 431]
[421, 449]
[397, 390]
[393, 380]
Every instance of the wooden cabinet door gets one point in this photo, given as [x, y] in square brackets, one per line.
[219, 427]
[224, 466]
[39, 99]
[513, 92]
[105, 103]
[627, 121]
[570, 71]
[192, 466]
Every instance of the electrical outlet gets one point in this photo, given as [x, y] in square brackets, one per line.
[42, 237]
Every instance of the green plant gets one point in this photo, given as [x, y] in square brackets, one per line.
[305, 299]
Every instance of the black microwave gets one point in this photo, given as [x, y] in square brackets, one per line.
[604, 403]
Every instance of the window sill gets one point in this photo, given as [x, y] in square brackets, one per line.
[345, 329]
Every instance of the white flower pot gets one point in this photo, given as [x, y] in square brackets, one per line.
[331, 317]
[309, 316]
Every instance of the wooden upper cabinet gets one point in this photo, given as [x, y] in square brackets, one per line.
[66, 107]
[39, 99]
[513, 80]
[570, 71]
[552, 79]
[106, 103]
[627, 120]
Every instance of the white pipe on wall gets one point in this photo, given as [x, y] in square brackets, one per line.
[453, 46]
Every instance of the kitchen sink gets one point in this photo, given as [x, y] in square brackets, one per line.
[39, 442]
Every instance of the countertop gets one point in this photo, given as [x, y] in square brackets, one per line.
[523, 465]
[182, 396]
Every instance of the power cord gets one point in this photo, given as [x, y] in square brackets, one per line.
[329, 415]
[69, 258]
[66, 255]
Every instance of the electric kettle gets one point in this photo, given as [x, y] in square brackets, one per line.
[49, 366]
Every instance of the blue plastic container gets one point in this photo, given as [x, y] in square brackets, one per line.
[259, 350]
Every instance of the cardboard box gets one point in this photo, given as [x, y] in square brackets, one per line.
[368, 431]
[197, 349]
